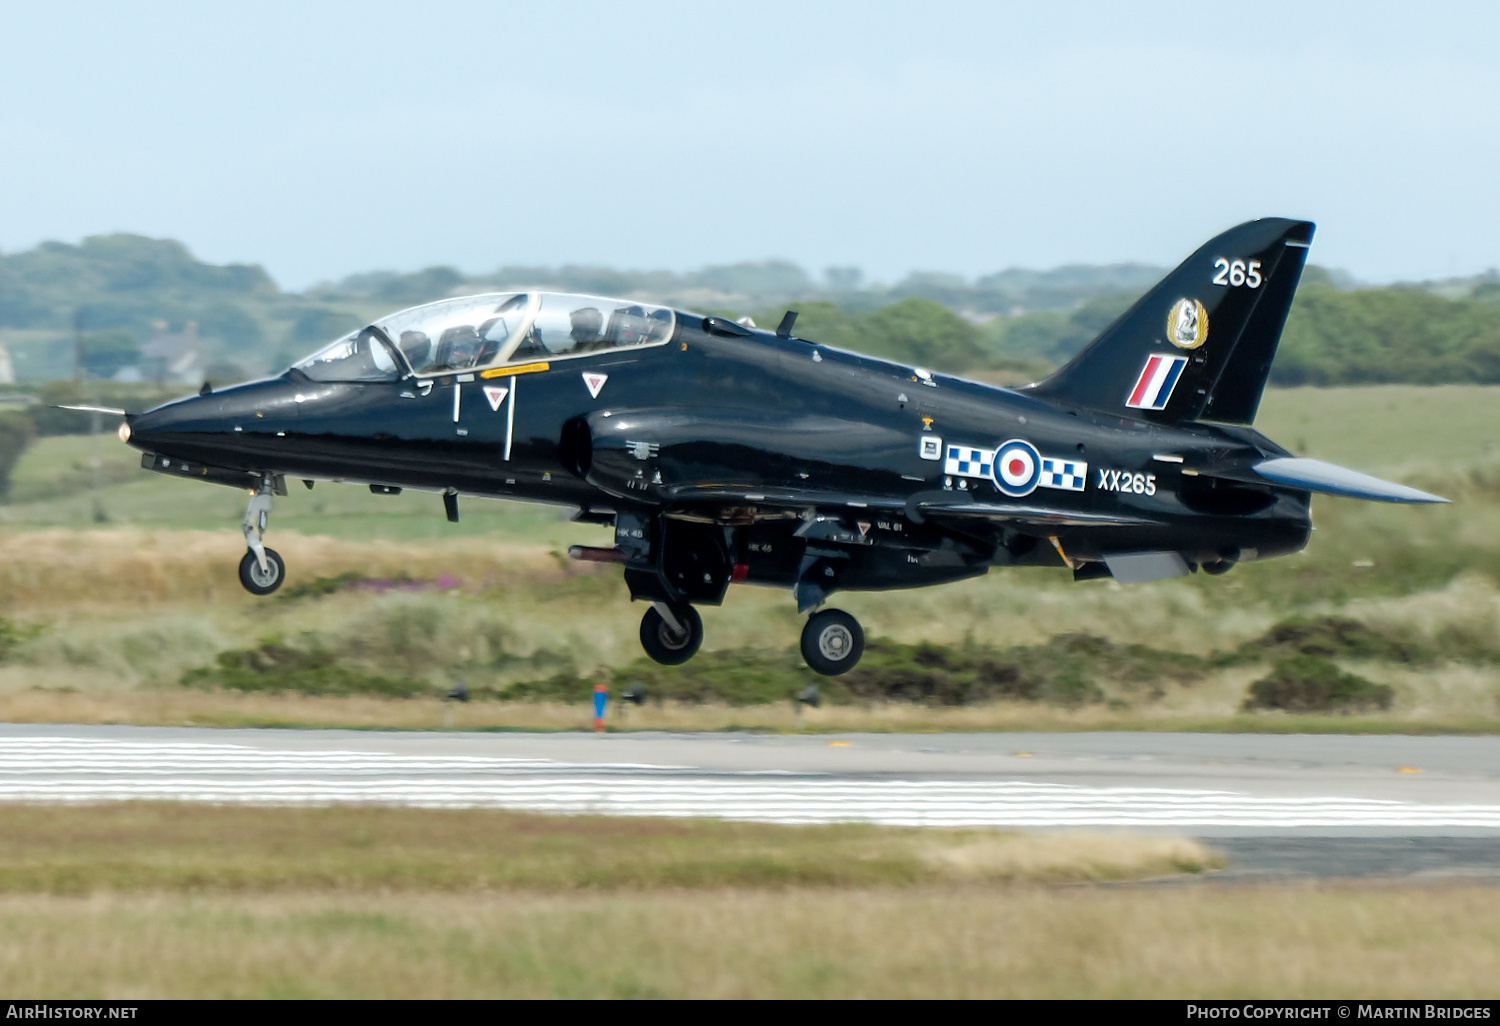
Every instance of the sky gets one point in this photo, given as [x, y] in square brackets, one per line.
[320, 139]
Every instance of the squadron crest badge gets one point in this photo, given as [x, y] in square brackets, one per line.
[1187, 324]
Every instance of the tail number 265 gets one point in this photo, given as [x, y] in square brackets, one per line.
[1237, 272]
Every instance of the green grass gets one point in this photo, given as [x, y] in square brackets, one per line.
[50, 487]
[275, 668]
[1264, 943]
[138, 603]
[1067, 671]
[1312, 683]
[144, 846]
[1386, 429]
[159, 900]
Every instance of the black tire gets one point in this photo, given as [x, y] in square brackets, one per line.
[257, 583]
[1228, 557]
[669, 647]
[832, 642]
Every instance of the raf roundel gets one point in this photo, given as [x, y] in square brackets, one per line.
[1017, 467]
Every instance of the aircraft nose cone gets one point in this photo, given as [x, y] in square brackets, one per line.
[232, 428]
[143, 430]
[160, 429]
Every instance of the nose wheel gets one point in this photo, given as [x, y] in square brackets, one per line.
[261, 570]
[671, 634]
[258, 581]
[832, 642]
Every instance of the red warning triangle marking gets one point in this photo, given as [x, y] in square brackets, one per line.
[864, 528]
[496, 395]
[595, 383]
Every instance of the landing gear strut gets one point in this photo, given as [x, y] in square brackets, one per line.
[671, 634]
[832, 642]
[262, 570]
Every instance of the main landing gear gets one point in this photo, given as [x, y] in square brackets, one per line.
[671, 634]
[262, 570]
[832, 641]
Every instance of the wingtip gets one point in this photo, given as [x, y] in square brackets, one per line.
[1317, 476]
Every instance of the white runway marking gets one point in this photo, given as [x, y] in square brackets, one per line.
[76, 770]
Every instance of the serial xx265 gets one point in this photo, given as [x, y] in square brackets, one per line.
[723, 454]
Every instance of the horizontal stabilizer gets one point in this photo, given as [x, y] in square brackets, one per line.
[1317, 476]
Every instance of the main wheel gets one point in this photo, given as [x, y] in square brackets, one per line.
[258, 581]
[667, 646]
[832, 642]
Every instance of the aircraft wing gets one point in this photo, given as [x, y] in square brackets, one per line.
[1041, 516]
[790, 498]
[941, 504]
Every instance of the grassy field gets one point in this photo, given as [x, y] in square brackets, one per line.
[147, 900]
[963, 941]
[101, 621]
[161, 847]
[1261, 942]
[50, 488]
[1387, 429]
[106, 618]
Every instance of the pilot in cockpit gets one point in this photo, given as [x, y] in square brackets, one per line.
[531, 346]
[660, 326]
[587, 329]
[417, 347]
[458, 348]
[627, 326]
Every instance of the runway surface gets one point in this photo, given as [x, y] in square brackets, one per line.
[1225, 786]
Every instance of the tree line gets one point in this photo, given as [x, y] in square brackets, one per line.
[122, 288]
[1332, 336]
[117, 291]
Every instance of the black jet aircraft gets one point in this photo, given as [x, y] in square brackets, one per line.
[724, 454]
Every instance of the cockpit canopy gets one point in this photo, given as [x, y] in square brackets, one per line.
[488, 330]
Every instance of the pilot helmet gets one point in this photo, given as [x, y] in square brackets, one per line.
[587, 324]
[632, 325]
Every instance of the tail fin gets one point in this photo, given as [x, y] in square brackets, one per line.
[1200, 343]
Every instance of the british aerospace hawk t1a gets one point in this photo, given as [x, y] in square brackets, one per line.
[724, 454]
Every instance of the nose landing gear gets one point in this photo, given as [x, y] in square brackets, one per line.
[261, 579]
[261, 570]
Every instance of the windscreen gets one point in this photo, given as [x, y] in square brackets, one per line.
[358, 356]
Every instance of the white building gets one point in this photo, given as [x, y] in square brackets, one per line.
[173, 356]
